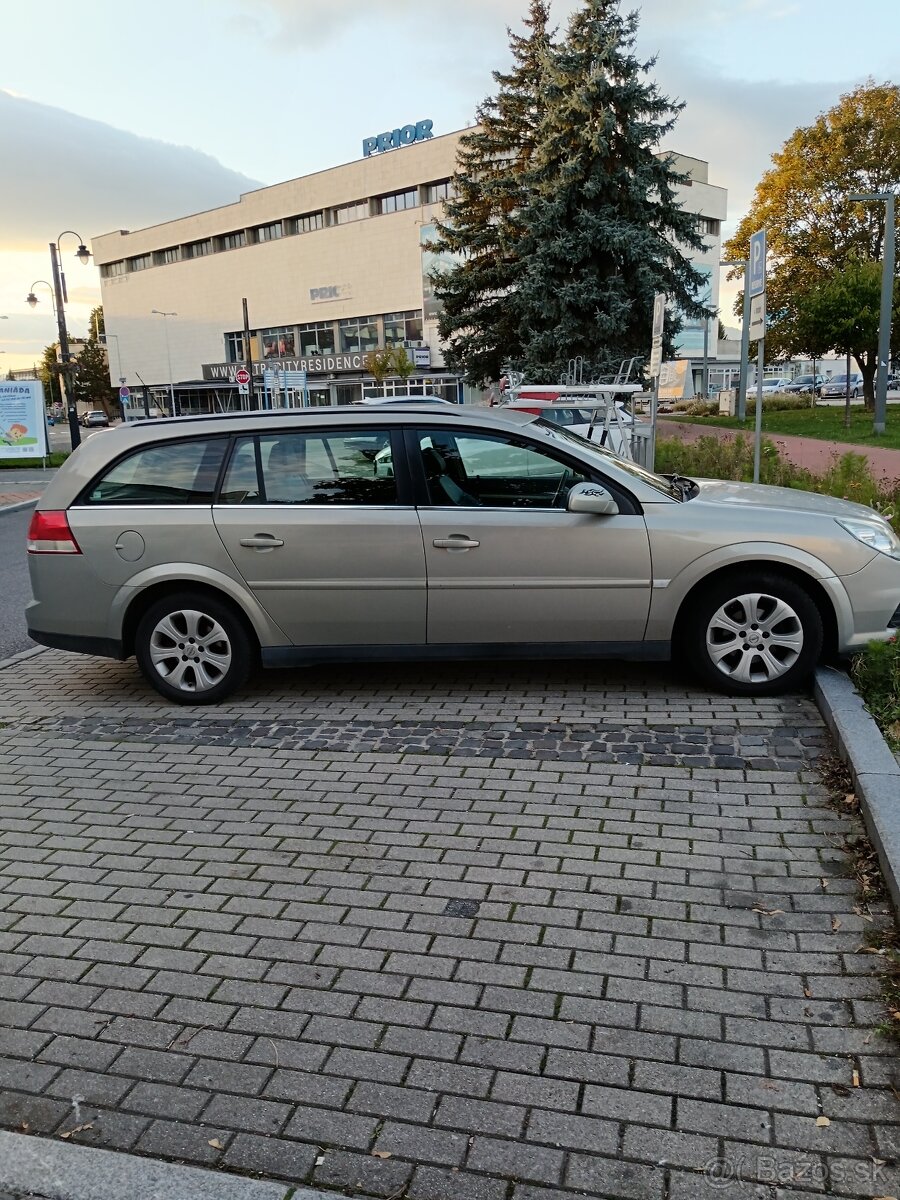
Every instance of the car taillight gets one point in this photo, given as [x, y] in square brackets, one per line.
[49, 533]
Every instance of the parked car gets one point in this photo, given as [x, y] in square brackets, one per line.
[206, 545]
[771, 387]
[805, 385]
[95, 418]
[837, 387]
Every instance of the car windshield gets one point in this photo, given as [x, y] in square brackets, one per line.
[559, 433]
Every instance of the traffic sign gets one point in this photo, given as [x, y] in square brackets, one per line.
[242, 375]
[243, 389]
[124, 393]
[758, 317]
[655, 357]
[659, 314]
[758, 263]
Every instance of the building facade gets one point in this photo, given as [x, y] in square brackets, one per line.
[332, 266]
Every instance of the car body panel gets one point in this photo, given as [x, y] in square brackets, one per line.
[535, 575]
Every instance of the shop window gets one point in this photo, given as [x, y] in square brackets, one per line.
[359, 335]
[398, 201]
[278, 343]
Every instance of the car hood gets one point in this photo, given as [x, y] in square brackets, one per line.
[726, 491]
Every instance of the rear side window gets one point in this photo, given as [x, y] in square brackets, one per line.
[352, 467]
[167, 473]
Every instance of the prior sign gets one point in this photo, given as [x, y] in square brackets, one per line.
[404, 136]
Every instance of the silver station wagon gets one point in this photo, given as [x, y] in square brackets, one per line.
[206, 545]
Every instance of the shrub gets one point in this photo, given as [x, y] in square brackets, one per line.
[697, 408]
[848, 477]
[781, 402]
[876, 673]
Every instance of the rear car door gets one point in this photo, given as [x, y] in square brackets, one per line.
[318, 525]
[507, 563]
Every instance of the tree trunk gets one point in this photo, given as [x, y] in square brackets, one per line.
[868, 370]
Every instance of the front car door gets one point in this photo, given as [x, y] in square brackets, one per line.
[506, 562]
[317, 527]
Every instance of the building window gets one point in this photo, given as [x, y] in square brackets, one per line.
[350, 212]
[435, 193]
[109, 270]
[398, 201]
[140, 263]
[402, 327]
[172, 254]
[269, 233]
[308, 222]
[234, 346]
[278, 343]
[359, 335]
[317, 338]
[709, 225]
[234, 241]
[199, 249]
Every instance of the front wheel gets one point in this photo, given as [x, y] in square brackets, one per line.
[193, 648]
[754, 635]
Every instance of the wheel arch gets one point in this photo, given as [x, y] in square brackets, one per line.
[814, 588]
[149, 595]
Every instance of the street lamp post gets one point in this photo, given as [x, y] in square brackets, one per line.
[887, 299]
[59, 294]
[165, 316]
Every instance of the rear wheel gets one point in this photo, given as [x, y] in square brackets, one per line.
[754, 635]
[193, 648]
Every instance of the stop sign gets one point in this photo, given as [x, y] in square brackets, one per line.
[242, 376]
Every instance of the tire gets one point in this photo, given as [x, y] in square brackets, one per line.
[214, 659]
[764, 606]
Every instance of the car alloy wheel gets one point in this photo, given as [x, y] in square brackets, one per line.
[190, 650]
[755, 638]
[194, 648]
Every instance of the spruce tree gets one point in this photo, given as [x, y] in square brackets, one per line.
[479, 326]
[603, 227]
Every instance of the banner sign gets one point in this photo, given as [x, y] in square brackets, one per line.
[23, 422]
[320, 364]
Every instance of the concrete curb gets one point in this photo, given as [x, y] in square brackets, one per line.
[60, 1171]
[21, 656]
[22, 504]
[875, 771]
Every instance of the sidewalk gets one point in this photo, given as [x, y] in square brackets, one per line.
[814, 454]
[516, 933]
[19, 487]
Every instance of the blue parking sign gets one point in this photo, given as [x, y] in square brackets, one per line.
[758, 263]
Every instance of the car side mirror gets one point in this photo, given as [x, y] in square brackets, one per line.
[591, 498]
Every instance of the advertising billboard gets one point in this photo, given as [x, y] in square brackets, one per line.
[23, 423]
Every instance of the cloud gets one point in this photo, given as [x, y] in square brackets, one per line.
[62, 171]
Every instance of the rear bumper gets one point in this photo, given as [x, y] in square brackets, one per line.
[79, 643]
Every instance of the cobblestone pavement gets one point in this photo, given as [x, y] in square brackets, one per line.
[444, 933]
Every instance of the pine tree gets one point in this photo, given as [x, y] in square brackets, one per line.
[478, 325]
[604, 228]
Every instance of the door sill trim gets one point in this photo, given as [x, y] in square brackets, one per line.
[299, 656]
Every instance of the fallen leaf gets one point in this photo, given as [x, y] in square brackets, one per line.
[871, 950]
[840, 1090]
[767, 912]
[78, 1129]
[856, 1078]
[807, 993]
[382, 1154]
[824, 883]
[822, 1122]
[215, 1143]
[885, 1198]
[835, 924]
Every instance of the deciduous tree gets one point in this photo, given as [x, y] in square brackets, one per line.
[815, 231]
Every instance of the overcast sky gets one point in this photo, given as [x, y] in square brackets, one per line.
[118, 115]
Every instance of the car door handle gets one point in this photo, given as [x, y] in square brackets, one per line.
[262, 541]
[456, 541]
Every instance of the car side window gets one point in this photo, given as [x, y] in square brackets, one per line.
[166, 473]
[493, 471]
[352, 467]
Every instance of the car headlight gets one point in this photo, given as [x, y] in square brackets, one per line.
[877, 535]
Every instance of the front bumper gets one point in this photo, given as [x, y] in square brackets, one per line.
[874, 596]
